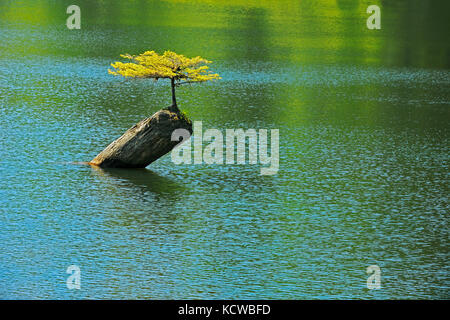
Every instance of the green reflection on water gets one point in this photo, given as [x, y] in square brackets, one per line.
[413, 33]
[363, 118]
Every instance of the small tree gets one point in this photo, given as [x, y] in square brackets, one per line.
[176, 67]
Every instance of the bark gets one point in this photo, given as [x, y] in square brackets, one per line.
[174, 99]
[144, 143]
[173, 107]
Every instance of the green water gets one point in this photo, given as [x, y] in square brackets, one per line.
[364, 168]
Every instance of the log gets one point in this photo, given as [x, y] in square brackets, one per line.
[145, 142]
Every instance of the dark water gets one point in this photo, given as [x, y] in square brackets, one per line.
[364, 167]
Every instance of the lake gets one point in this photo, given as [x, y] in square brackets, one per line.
[363, 118]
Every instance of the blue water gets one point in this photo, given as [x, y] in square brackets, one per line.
[364, 165]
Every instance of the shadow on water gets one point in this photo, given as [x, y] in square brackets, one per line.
[140, 181]
[141, 198]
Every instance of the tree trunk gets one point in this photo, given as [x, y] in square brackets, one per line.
[144, 143]
[173, 107]
[174, 99]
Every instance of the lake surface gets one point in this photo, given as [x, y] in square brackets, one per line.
[363, 117]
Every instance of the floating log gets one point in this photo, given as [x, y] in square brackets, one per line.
[145, 142]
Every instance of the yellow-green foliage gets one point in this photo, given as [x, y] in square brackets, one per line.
[169, 65]
[184, 115]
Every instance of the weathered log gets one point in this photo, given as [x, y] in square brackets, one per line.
[145, 142]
